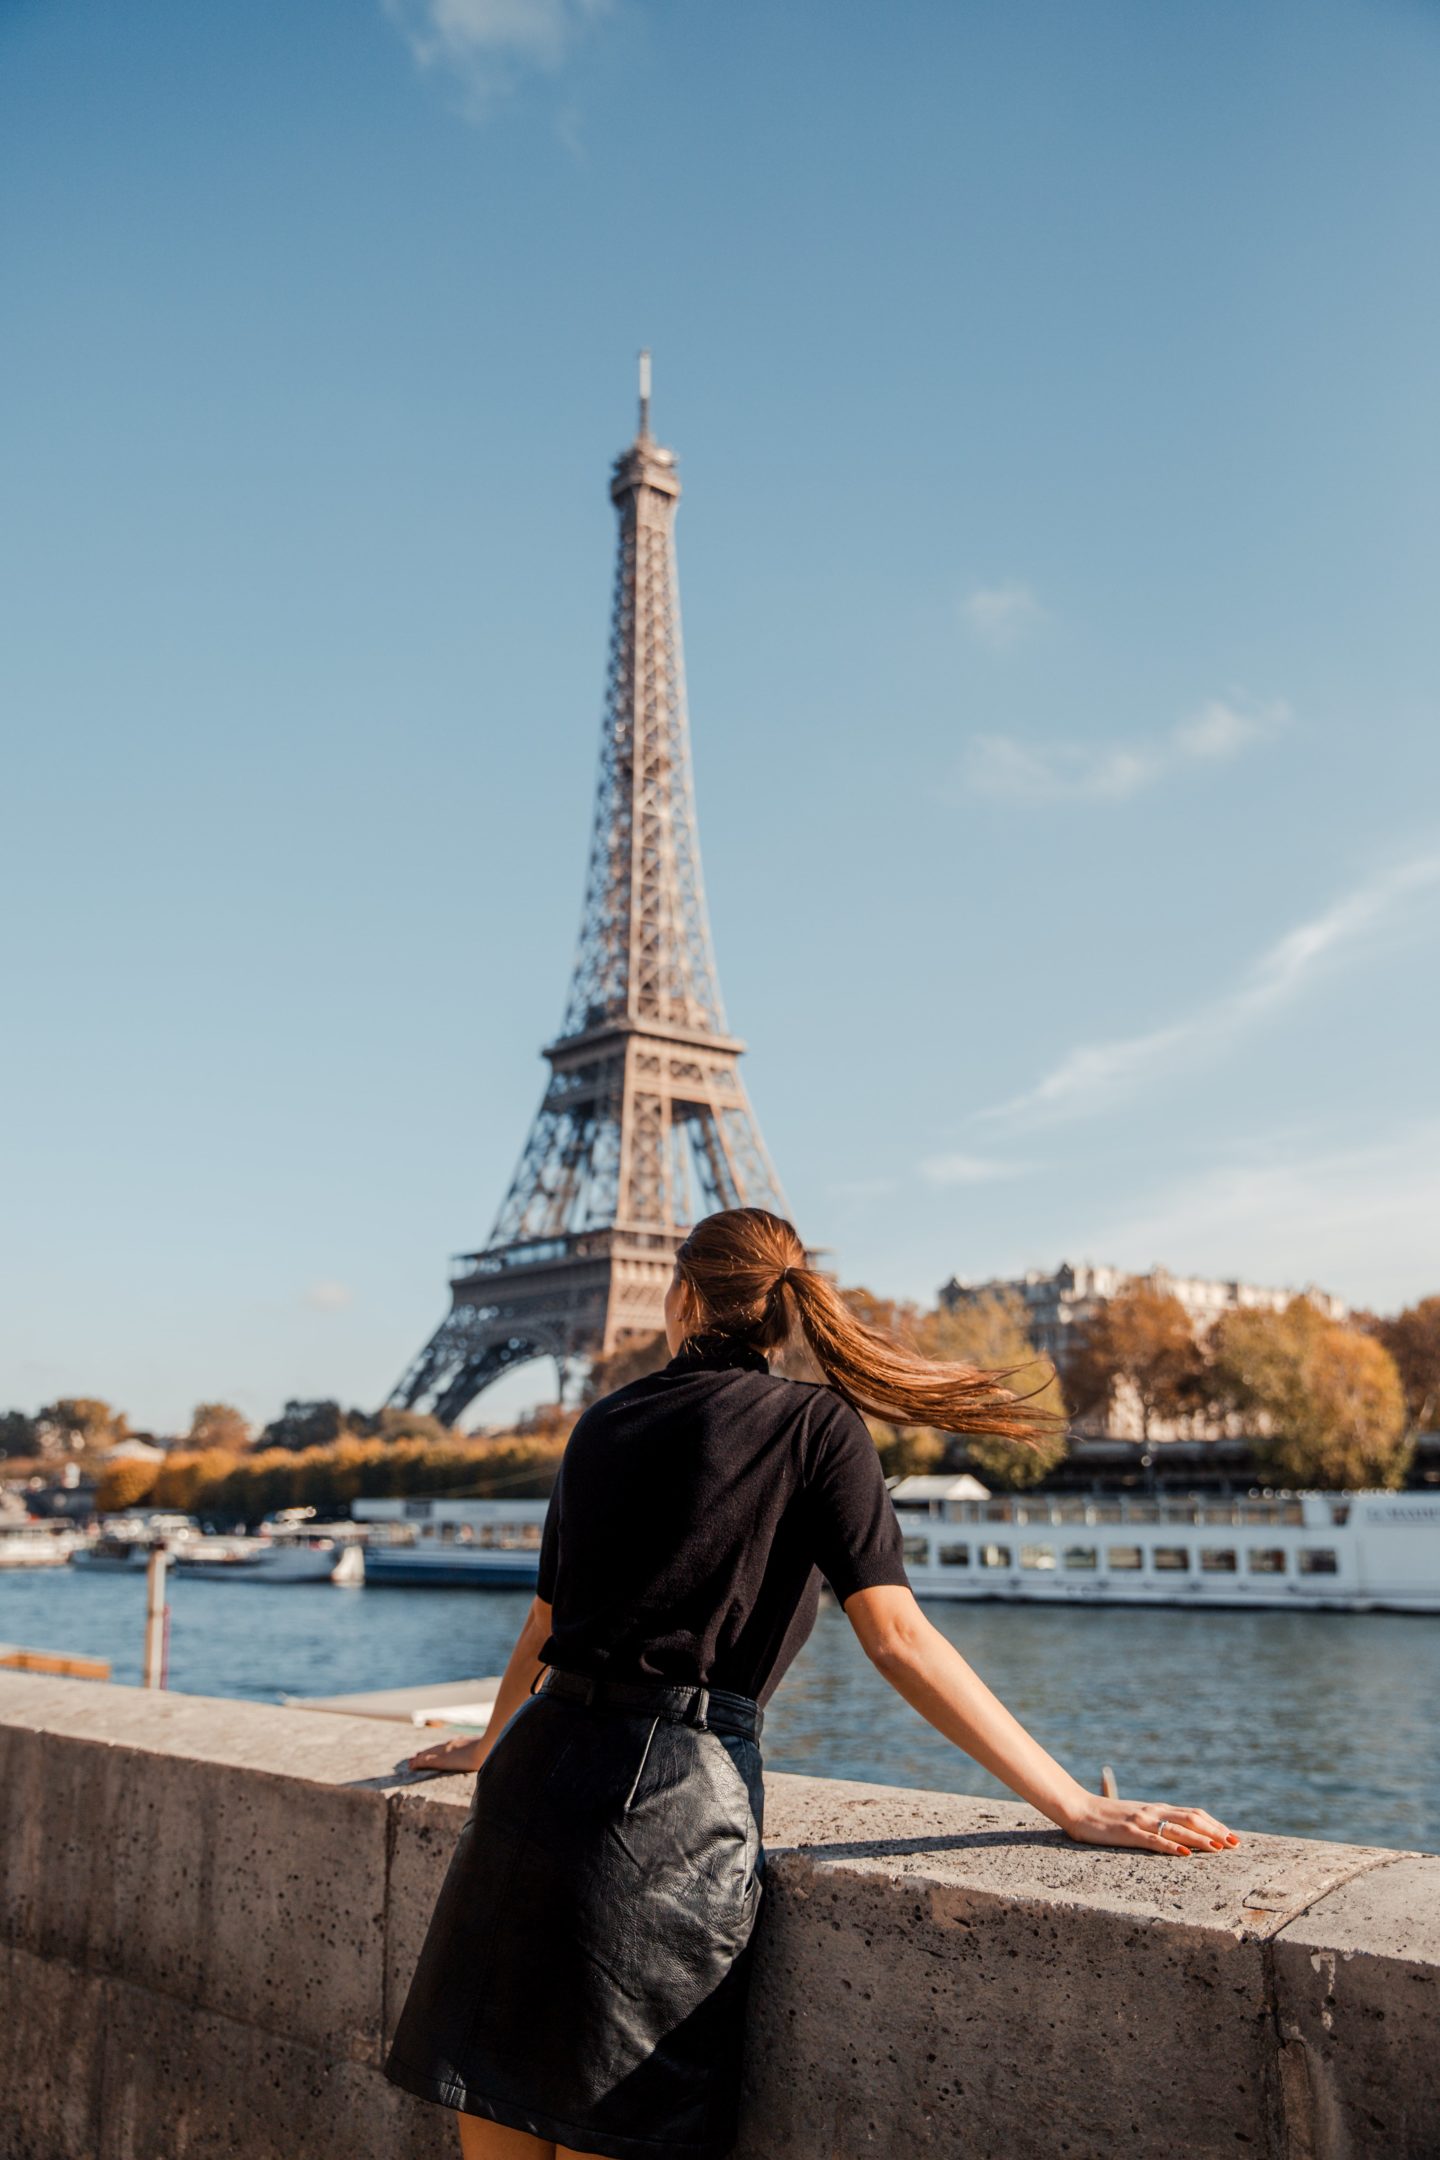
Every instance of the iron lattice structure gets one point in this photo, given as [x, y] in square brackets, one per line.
[645, 1123]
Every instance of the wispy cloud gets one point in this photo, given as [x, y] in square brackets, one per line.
[485, 45]
[1359, 1220]
[970, 1169]
[1000, 615]
[1095, 1076]
[1002, 766]
[328, 1297]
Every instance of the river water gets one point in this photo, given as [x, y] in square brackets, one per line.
[1315, 1724]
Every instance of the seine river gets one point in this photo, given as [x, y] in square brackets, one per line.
[1317, 1724]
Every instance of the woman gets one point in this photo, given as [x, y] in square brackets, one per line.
[582, 1985]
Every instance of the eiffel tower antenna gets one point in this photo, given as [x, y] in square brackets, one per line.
[644, 1124]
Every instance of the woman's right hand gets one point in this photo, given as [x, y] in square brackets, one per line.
[465, 1753]
[1138, 1823]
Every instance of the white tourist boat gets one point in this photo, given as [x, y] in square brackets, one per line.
[452, 1544]
[1343, 1552]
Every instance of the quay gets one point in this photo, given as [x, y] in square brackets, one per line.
[210, 1911]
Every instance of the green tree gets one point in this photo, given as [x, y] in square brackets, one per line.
[17, 1434]
[1328, 1396]
[219, 1425]
[394, 1424]
[989, 1331]
[303, 1424]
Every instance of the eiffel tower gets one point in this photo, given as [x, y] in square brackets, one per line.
[645, 1114]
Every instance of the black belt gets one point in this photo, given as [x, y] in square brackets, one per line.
[708, 1709]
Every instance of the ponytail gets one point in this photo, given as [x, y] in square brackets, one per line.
[746, 1273]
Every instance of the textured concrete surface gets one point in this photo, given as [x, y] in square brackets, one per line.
[1358, 1993]
[210, 1911]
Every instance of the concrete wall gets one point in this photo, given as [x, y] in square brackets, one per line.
[209, 1912]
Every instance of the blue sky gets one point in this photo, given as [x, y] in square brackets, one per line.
[1054, 392]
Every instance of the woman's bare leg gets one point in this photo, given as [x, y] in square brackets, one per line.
[484, 2140]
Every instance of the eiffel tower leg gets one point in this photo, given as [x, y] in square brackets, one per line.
[461, 1359]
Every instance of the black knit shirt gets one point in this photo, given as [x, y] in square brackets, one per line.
[692, 1512]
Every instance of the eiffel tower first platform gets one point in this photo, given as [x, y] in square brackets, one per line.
[644, 1125]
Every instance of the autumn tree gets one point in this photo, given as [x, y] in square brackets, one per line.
[628, 1361]
[907, 1450]
[990, 1331]
[1140, 1340]
[79, 1425]
[123, 1485]
[1412, 1338]
[1329, 1397]
[218, 1425]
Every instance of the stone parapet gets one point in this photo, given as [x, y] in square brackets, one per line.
[209, 1913]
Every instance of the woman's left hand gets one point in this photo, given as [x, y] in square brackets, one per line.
[466, 1753]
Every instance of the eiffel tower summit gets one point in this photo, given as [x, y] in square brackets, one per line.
[644, 1125]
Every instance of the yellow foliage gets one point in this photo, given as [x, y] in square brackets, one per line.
[124, 1485]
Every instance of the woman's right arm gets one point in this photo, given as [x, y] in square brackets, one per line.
[929, 1672]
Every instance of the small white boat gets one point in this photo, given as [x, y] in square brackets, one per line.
[30, 1544]
[127, 1541]
[291, 1548]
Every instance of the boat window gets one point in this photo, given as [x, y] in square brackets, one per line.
[1144, 1511]
[1124, 1556]
[1340, 1513]
[1218, 1560]
[1082, 1556]
[1267, 1560]
[1292, 1512]
[954, 1556]
[1108, 1511]
[1037, 1556]
[1178, 1511]
[917, 1551]
[1319, 1560]
[994, 1556]
[1218, 1513]
[1170, 1559]
[999, 1510]
[1070, 1511]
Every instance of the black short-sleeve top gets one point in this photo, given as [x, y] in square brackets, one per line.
[693, 1516]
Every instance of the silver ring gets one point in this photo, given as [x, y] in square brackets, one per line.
[1162, 1828]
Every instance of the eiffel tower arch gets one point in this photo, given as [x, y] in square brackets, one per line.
[644, 1125]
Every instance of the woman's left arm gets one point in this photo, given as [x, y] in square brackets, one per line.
[523, 1670]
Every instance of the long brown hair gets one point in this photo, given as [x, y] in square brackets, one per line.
[746, 1272]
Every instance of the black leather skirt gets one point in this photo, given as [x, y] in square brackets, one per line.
[585, 1971]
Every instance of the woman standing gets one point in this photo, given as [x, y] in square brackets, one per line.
[582, 1986]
